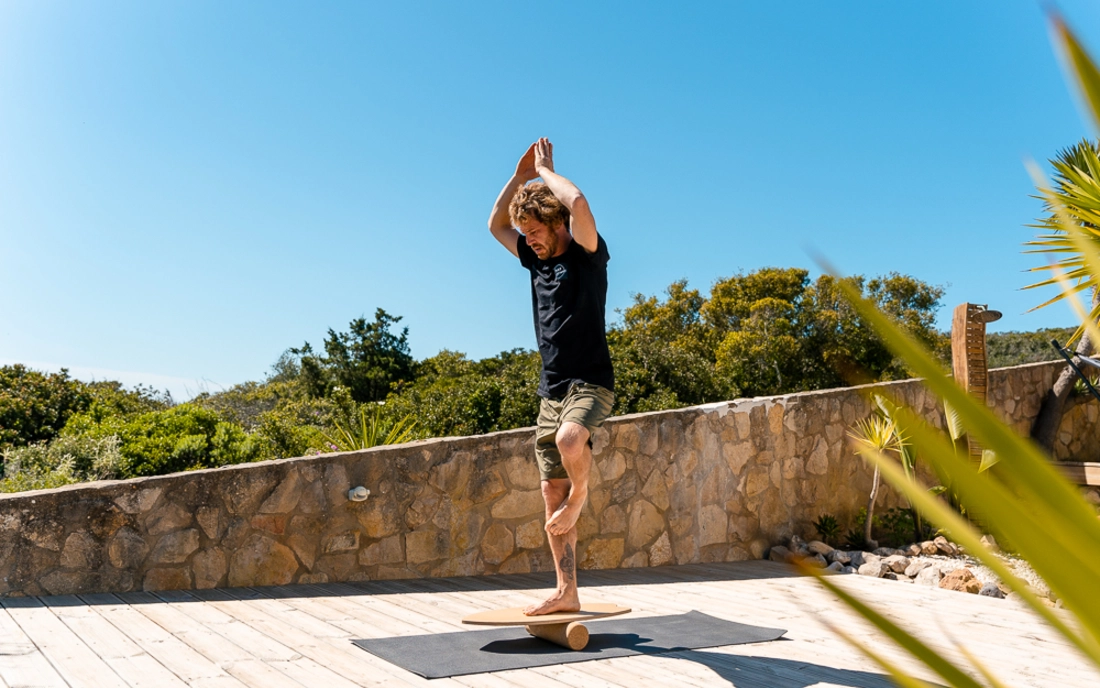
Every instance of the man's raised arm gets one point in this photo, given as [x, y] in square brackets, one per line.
[583, 225]
[500, 223]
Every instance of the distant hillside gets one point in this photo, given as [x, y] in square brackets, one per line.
[1016, 348]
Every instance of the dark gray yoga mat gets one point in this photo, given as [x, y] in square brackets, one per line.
[509, 647]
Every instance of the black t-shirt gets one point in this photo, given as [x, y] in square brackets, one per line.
[568, 297]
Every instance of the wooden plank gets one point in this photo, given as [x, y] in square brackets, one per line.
[135, 666]
[190, 652]
[339, 655]
[78, 664]
[21, 662]
[216, 620]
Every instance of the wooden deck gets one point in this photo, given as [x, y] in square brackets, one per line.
[299, 635]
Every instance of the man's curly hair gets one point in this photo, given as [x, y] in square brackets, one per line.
[536, 202]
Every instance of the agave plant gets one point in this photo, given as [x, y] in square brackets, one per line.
[373, 431]
[1025, 501]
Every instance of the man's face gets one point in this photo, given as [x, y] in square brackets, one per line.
[542, 239]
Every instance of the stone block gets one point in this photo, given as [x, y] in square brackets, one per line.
[712, 525]
[656, 490]
[531, 535]
[627, 436]
[523, 472]
[209, 568]
[520, 563]
[755, 482]
[166, 579]
[338, 567]
[379, 519]
[168, 517]
[137, 500]
[312, 500]
[612, 468]
[285, 496]
[341, 542]
[211, 521]
[635, 561]
[485, 486]
[423, 508]
[645, 524]
[126, 549]
[498, 545]
[174, 548]
[423, 546]
[390, 550]
[70, 582]
[244, 490]
[335, 479]
[81, 551]
[602, 553]
[518, 505]
[613, 521]
[660, 553]
[271, 523]
[262, 561]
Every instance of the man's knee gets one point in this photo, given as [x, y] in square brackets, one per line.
[572, 438]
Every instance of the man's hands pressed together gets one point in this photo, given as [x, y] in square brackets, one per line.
[544, 156]
[527, 167]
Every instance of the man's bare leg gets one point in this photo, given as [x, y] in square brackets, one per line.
[576, 457]
[564, 548]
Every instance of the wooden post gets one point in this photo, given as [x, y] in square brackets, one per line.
[968, 359]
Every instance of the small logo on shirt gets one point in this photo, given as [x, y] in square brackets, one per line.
[560, 272]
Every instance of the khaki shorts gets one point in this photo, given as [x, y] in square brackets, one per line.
[584, 404]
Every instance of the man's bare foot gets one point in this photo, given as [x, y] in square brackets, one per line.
[563, 520]
[567, 601]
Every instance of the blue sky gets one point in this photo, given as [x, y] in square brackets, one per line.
[189, 188]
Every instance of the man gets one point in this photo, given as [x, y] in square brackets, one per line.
[567, 261]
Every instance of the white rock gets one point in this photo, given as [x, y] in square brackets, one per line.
[861, 558]
[875, 569]
[990, 543]
[929, 576]
[916, 566]
[779, 553]
[897, 563]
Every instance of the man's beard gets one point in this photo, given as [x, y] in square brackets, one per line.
[551, 245]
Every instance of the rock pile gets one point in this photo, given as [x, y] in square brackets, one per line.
[937, 562]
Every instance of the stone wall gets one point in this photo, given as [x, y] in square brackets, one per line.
[718, 482]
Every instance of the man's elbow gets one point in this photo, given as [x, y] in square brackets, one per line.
[578, 204]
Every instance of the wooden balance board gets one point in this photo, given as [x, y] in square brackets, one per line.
[564, 628]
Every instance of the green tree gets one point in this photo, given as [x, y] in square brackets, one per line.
[34, 406]
[453, 395]
[368, 359]
[180, 438]
[1016, 348]
[661, 353]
